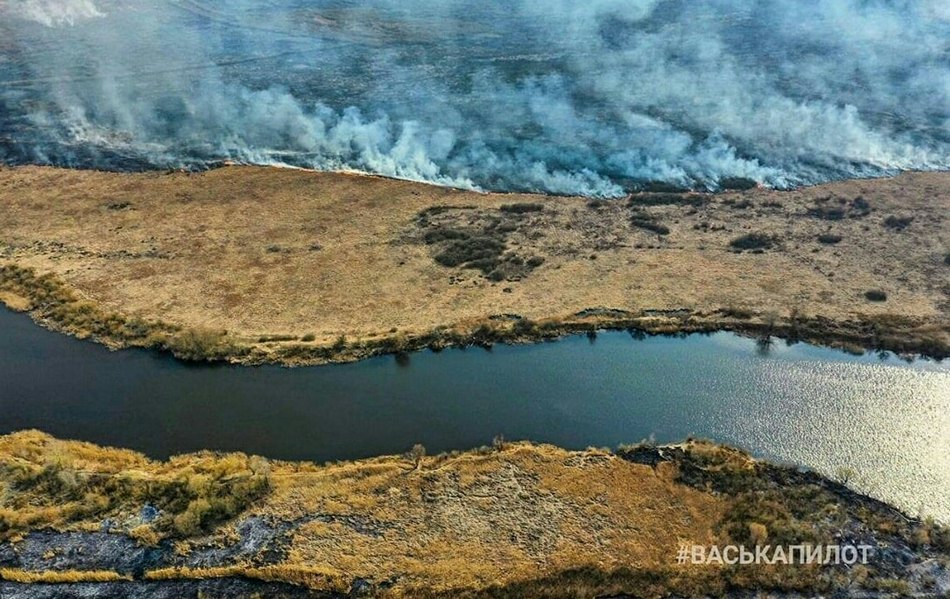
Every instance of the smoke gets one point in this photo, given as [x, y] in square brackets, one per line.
[546, 95]
[52, 13]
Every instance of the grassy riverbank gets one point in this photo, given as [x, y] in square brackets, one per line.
[510, 520]
[257, 265]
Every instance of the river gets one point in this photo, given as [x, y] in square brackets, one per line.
[886, 420]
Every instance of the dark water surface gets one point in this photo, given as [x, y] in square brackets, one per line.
[887, 420]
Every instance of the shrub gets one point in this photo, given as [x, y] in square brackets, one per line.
[737, 183]
[875, 295]
[643, 221]
[521, 208]
[308, 337]
[860, 206]
[829, 238]
[536, 261]
[824, 209]
[662, 186]
[416, 454]
[752, 241]
[200, 344]
[667, 199]
[463, 251]
[736, 312]
[825, 212]
[897, 223]
[190, 495]
[444, 234]
[524, 326]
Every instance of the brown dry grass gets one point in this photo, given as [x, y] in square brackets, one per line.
[457, 521]
[60, 576]
[264, 252]
[515, 520]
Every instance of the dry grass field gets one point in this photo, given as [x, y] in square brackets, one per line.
[305, 267]
[512, 520]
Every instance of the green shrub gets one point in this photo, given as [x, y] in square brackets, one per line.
[875, 295]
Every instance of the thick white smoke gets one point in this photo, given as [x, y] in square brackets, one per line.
[52, 13]
[549, 95]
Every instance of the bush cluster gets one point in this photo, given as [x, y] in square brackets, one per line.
[191, 496]
[645, 221]
[481, 247]
[898, 223]
[737, 183]
[523, 208]
[667, 199]
[826, 208]
[752, 241]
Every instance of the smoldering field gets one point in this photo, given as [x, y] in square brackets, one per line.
[584, 98]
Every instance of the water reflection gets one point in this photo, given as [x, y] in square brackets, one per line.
[887, 420]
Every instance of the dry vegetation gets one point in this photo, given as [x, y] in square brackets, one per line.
[257, 264]
[46, 482]
[512, 520]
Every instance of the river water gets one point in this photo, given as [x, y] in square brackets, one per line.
[885, 419]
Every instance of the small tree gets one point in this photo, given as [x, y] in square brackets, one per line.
[845, 474]
[416, 454]
[498, 443]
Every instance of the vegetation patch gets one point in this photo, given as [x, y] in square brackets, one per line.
[648, 222]
[481, 243]
[737, 183]
[52, 301]
[560, 520]
[875, 295]
[898, 223]
[694, 200]
[522, 208]
[753, 242]
[662, 187]
[829, 238]
[50, 483]
[832, 208]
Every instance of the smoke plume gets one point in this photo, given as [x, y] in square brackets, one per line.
[548, 95]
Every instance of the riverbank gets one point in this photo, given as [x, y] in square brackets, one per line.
[261, 265]
[514, 519]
